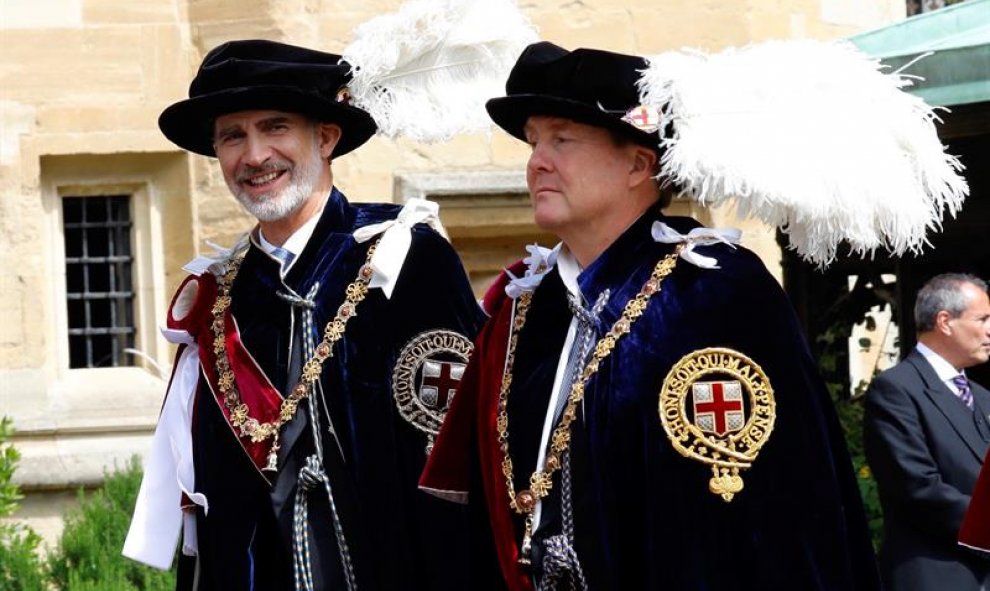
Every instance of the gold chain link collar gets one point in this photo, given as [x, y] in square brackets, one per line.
[246, 425]
[541, 481]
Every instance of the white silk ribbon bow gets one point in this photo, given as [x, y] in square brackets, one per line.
[540, 261]
[394, 245]
[202, 263]
[697, 237]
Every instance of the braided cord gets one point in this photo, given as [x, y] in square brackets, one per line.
[310, 475]
[561, 566]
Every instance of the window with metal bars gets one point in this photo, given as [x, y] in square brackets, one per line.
[98, 280]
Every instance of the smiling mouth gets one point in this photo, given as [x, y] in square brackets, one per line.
[264, 179]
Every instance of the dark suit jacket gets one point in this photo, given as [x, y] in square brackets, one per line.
[925, 448]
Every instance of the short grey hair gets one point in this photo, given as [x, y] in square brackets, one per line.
[943, 292]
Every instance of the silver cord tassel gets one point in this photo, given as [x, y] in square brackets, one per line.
[310, 476]
[561, 567]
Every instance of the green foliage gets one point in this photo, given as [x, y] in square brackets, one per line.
[88, 555]
[9, 495]
[21, 568]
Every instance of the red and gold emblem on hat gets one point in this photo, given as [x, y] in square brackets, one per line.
[730, 415]
[643, 118]
[344, 95]
[426, 376]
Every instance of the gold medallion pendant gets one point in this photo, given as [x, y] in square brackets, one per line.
[717, 407]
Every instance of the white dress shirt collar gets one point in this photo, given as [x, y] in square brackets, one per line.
[943, 369]
[569, 269]
[295, 243]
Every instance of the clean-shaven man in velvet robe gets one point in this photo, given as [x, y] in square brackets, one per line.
[651, 371]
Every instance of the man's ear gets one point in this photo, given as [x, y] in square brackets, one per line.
[942, 322]
[328, 135]
[644, 165]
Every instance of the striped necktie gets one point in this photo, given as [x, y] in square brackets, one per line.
[283, 255]
[965, 392]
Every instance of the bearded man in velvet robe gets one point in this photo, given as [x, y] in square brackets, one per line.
[316, 359]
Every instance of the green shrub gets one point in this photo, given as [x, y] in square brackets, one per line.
[21, 568]
[9, 495]
[88, 554]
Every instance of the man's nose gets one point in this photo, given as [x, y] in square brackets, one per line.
[256, 150]
[539, 158]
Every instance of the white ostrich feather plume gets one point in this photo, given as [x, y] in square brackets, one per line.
[809, 136]
[426, 70]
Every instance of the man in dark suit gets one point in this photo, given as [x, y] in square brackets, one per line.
[926, 431]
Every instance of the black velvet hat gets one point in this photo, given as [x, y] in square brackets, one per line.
[257, 74]
[586, 85]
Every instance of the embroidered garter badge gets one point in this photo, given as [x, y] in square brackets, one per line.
[717, 407]
[426, 376]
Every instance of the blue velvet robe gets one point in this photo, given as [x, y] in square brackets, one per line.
[643, 515]
[399, 538]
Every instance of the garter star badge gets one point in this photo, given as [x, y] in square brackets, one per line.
[426, 376]
[717, 407]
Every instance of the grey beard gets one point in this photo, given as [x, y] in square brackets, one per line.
[275, 206]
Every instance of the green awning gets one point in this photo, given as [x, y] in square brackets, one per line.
[958, 72]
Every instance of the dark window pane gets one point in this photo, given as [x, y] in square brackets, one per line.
[77, 351]
[96, 209]
[72, 210]
[73, 242]
[122, 241]
[99, 277]
[99, 313]
[73, 275]
[77, 314]
[120, 210]
[97, 242]
[102, 356]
